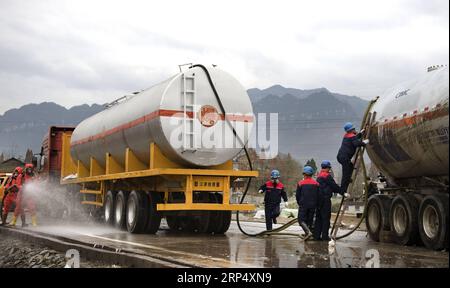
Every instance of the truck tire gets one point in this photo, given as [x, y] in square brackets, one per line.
[201, 218]
[225, 218]
[433, 221]
[377, 216]
[226, 222]
[403, 219]
[154, 217]
[110, 202]
[214, 216]
[137, 212]
[120, 209]
[201, 222]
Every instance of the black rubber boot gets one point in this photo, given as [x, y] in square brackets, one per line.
[306, 229]
[274, 220]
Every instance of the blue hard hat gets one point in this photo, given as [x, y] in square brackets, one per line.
[325, 164]
[275, 174]
[348, 126]
[308, 170]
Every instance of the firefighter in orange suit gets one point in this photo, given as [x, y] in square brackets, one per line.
[25, 198]
[12, 188]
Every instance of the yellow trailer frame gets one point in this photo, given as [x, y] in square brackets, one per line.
[159, 167]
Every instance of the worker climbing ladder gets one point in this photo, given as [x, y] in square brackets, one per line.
[359, 165]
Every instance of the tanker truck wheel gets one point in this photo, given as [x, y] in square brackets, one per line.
[226, 221]
[403, 219]
[201, 218]
[225, 218]
[433, 222]
[214, 216]
[201, 222]
[219, 221]
[137, 212]
[154, 217]
[377, 216]
[120, 209]
[109, 207]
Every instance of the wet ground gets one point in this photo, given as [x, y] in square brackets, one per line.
[237, 250]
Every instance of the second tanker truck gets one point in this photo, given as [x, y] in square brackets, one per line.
[409, 145]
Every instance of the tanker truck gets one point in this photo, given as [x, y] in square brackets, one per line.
[165, 151]
[409, 145]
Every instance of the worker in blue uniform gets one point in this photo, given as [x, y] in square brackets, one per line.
[351, 141]
[273, 191]
[327, 187]
[306, 195]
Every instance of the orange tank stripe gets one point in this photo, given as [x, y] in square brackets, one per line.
[153, 115]
[417, 118]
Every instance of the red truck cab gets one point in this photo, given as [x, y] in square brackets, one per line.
[49, 165]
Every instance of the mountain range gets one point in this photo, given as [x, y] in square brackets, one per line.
[310, 121]
[26, 126]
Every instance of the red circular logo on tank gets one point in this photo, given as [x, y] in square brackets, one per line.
[208, 115]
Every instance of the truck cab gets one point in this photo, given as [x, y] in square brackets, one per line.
[48, 165]
[49, 159]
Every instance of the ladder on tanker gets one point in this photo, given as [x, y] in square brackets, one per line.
[190, 127]
[358, 164]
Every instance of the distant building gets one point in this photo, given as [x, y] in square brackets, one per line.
[10, 164]
[238, 185]
[237, 189]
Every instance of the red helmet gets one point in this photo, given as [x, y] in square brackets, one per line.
[29, 165]
[19, 170]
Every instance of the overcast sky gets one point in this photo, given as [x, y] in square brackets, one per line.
[75, 52]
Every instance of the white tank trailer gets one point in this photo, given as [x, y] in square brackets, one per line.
[181, 116]
[409, 144]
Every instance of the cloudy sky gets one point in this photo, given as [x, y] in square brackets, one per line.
[74, 52]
